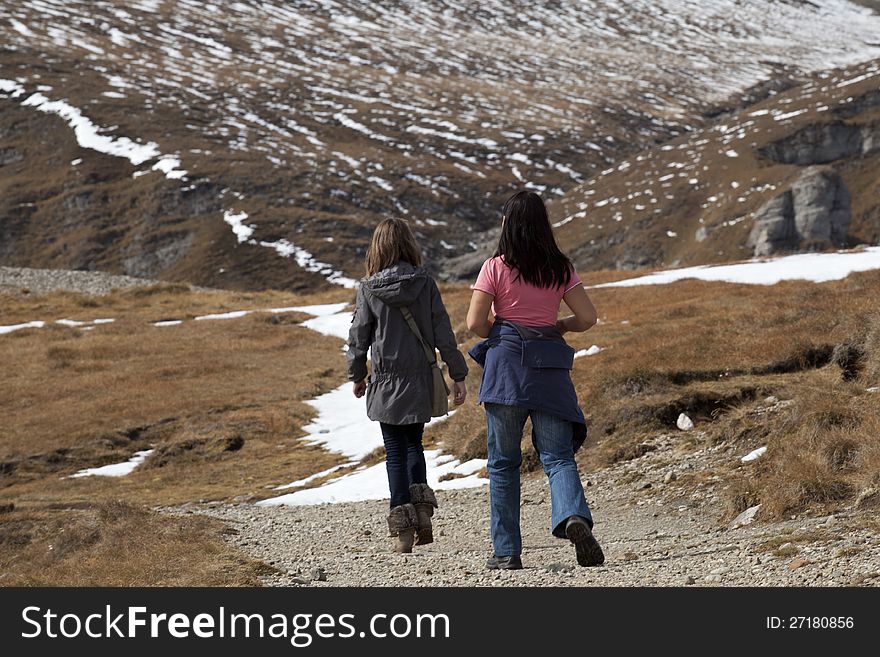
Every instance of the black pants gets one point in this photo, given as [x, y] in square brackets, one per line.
[405, 459]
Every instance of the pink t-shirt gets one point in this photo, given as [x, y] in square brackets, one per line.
[518, 301]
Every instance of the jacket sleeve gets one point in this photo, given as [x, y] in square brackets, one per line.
[444, 337]
[360, 335]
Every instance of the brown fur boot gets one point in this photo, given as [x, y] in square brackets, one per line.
[402, 524]
[424, 500]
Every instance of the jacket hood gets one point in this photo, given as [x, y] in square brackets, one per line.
[399, 285]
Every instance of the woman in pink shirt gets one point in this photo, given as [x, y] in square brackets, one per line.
[526, 374]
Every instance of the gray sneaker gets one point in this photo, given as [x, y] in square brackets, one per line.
[504, 563]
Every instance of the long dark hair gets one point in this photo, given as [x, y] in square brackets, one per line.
[527, 243]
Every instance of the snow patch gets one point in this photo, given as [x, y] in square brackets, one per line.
[18, 327]
[88, 135]
[371, 483]
[234, 314]
[115, 469]
[592, 351]
[816, 267]
[242, 231]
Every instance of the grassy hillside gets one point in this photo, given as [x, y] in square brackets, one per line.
[222, 404]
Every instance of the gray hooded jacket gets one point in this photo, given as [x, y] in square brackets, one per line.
[399, 390]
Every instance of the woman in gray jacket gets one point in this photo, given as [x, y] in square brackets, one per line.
[400, 386]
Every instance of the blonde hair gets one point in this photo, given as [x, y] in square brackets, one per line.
[393, 241]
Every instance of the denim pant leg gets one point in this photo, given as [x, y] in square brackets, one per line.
[505, 429]
[416, 468]
[553, 439]
[395, 438]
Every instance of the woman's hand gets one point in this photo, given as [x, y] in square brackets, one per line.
[459, 392]
[359, 388]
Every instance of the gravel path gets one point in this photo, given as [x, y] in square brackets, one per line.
[657, 535]
[43, 281]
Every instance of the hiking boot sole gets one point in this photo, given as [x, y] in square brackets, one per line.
[586, 546]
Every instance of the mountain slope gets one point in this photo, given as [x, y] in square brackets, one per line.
[697, 199]
[303, 125]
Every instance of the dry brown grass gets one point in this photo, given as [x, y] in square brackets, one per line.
[150, 303]
[821, 453]
[73, 399]
[715, 351]
[118, 544]
[222, 402]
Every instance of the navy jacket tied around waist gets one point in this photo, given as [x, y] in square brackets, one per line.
[530, 367]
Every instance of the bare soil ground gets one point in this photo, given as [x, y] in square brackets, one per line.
[653, 534]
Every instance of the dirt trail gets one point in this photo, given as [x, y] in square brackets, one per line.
[652, 535]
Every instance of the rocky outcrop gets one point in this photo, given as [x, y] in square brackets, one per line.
[774, 226]
[821, 143]
[814, 213]
[821, 204]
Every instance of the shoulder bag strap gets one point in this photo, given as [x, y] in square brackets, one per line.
[429, 351]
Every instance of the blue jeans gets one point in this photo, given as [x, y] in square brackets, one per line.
[405, 459]
[552, 437]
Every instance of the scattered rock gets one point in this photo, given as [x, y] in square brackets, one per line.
[828, 522]
[772, 399]
[712, 578]
[684, 422]
[689, 580]
[318, 575]
[558, 568]
[754, 454]
[299, 580]
[42, 281]
[746, 517]
[670, 477]
[629, 556]
[7, 508]
[798, 563]
[720, 570]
